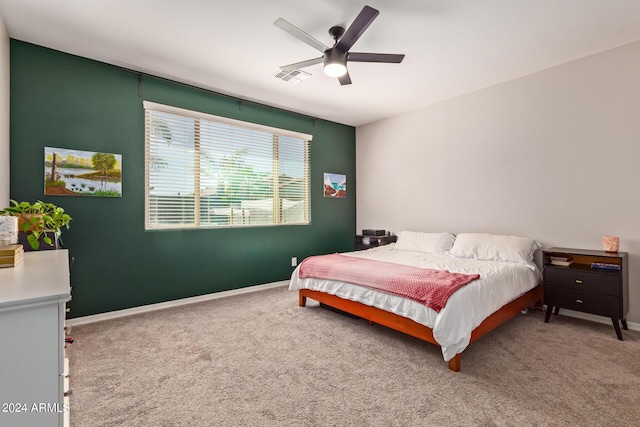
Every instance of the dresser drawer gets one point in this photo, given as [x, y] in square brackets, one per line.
[602, 305]
[585, 281]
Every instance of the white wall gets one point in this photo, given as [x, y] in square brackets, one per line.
[4, 115]
[554, 156]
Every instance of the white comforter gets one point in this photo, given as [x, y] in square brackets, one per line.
[499, 284]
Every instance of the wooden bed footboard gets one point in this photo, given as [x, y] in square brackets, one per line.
[409, 327]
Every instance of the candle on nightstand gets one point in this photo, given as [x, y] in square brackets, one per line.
[610, 243]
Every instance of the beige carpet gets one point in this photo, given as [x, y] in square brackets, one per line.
[260, 360]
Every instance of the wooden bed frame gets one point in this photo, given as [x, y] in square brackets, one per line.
[408, 326]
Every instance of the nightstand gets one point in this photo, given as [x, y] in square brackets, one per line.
[373, 241]
[594, 282]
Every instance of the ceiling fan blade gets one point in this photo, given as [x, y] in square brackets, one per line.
[375, 57]
[301, 64]
[359, 25]
[345, 80]
[299, 34]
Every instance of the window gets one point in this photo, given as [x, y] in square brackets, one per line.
[207, 171]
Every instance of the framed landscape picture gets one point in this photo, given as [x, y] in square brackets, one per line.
[335, 185]
[82, 173]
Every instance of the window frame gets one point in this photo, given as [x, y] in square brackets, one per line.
[197, 116]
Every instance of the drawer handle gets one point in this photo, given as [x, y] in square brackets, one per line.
[578, 281]
[579, 301]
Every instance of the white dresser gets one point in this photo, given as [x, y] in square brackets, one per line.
[32, 363]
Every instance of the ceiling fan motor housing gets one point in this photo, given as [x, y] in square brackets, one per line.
[336, 32]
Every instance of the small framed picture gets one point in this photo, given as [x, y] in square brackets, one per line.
[335, 185]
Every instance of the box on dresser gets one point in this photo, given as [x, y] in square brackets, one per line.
[11, 255]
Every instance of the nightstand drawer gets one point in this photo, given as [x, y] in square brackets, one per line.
[602, 305]
[584, 281]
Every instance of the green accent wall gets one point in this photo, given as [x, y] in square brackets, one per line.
[66, 101]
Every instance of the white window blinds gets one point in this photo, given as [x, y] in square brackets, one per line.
[208, 171]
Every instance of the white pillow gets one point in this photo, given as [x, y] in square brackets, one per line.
[495, 247]
[431, 243]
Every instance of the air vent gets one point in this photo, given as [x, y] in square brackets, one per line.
[294, 76]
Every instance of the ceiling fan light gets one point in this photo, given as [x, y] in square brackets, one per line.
[335, 63]
[335, 69]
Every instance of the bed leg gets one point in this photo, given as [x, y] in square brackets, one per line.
[454, 364]
[302, 301]
[370, 323]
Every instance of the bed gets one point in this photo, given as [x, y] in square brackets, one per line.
[508, 282]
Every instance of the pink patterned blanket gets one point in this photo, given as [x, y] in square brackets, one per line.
[426, 286]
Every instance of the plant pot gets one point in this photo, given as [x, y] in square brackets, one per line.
[8, 230]
[35, 221]
[22, 240]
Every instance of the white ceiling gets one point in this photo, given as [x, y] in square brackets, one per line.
[231, 46]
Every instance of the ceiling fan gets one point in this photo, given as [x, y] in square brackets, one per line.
[335, 58]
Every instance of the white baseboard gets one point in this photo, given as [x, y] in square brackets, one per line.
[633, 326]
[162, 305]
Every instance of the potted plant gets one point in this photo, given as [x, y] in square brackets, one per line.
[39, 220]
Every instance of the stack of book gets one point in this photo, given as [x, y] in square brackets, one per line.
[561, 260]
[372, 232]
[605, 266]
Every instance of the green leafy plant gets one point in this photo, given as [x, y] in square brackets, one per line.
[39, 219]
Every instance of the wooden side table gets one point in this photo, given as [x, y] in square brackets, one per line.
[595, 282]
